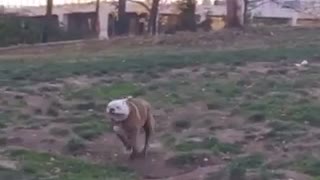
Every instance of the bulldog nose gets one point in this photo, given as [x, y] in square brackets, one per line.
[111, 110]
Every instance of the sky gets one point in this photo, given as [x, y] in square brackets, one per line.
[18, 3]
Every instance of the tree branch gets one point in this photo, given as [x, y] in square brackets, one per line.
[141, 4]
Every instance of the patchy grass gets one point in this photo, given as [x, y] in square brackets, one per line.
[210, 144]
[174, 92]
[43, 166]
[14, 175]
[187, 160]
[308, 164]
[168, 139]
[75, 145]
[91, 130]
[283, 131]
[285, 106]
[304, 113]
[271, 105]
[82, 119]
[285, 126]
[252, 161]
[236, 172]
[14, 72]
[106, 92]
[4, 119]
[237, 169]
[182, 124]
[226, 89]
[59, 132]
[216, 102]
[208, 78]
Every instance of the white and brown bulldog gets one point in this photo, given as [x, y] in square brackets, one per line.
[128, 117]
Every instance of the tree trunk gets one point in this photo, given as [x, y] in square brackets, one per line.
[122, 23]
[245, 13]
[192, 15]
[47, 21]
[187, 15]
[96, 20]
[234, 13]
[152, 24]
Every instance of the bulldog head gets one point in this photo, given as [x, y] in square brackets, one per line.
[118, 109]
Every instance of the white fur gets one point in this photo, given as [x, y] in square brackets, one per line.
[121, 109]
[116, 129]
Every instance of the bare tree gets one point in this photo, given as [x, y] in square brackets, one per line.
[187, 15]
[153, 14]
[235, 13]
[122, 23]
[152, 24]
[250, 5]
[47, 21]
[96, 20]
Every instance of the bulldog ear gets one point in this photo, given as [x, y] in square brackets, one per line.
[125, 101]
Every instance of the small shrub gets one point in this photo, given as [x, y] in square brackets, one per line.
[304, 113]
[216, 103]
[3, 141]
[251, 161]
[153, 87]
[182, 124]
[53, 112]
[60, 132]
[220, 175]
[237, 172]
[285, 131]
[308, 164]
[228, 90]
[85, 106]
[168, 139]
[75, 145]
[3, 125]
[257, 117]
[264, 174]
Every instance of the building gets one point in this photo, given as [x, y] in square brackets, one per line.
[78, 14]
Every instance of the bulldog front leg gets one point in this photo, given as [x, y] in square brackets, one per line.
[122, 136]
[133, 139]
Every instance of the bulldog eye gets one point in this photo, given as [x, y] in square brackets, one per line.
[117, 107]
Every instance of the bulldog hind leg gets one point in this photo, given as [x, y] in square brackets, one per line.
[148, 128]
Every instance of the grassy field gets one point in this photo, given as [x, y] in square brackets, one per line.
[242, 111]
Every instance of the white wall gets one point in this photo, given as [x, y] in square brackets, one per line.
[271, 9]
